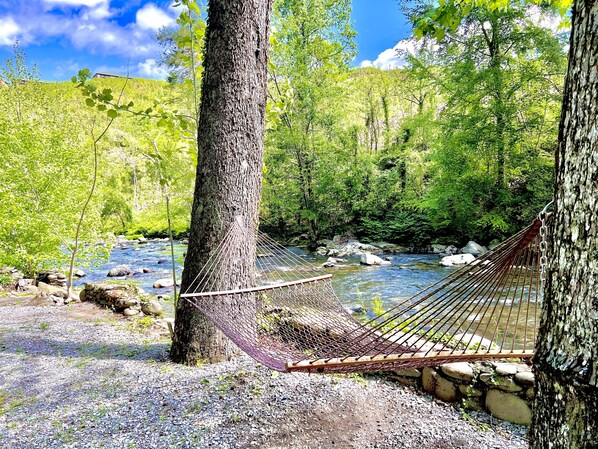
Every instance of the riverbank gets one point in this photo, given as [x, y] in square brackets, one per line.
[81, 377]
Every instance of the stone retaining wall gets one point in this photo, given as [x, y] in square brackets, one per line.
[123, 298]
[502, 389]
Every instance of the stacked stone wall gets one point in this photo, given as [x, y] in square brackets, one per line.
[503, 389]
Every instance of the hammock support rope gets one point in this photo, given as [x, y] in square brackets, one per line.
[290, 319]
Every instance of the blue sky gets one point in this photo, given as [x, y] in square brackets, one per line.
[62, 36]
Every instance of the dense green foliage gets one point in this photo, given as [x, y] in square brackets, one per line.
[458, 144]
[46, 163]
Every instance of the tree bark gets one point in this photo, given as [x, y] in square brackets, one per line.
[566, 364]
[230, 161]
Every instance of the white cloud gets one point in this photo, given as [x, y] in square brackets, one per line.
[395, 58]
[8, 31]
[150, 17]
[75, 3]
[93, 27]
[150, 68]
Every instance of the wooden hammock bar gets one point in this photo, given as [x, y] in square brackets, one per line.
[261, 288]
[308, 365]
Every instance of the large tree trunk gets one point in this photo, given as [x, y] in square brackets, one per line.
[229, 167]
[566, 363]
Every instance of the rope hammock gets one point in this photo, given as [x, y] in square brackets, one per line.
[290, 319]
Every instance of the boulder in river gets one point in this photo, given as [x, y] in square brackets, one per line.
[119, 271]
[356, 248]
[473, 248]
[450, 250]
[457, 260]
[165, 283]
[330, 263]
[371, 259]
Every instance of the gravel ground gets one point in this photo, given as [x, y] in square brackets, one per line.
[79, 377]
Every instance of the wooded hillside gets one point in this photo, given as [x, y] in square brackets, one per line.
[456, 145]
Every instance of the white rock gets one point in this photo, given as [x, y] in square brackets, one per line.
[165, 283]
[457, 259]
[120, 270]
[371, 259]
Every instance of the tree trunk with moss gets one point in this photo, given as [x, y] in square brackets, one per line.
[230, 160]
[566, 363]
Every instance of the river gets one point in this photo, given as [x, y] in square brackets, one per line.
[354, 283]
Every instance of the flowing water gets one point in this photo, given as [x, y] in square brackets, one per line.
[374, 288]
[355, 284]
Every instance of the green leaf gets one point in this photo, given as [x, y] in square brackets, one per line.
[89, 102]
[111, 113]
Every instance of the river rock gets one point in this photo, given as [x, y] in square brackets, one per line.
[165, 283]
[450, 250]
[129, 311]
[470, 391]
[114, 296]
[356, 309]
[152, 307]
[121, 241]
[22, 284]
[321, 251]
[525, 378]
[330, 263]
[508, 407]
[458, 370]
[161, 261]
[502, 383]
[355, 248]
[474, 249]
[58, 300]
[79, 273]
[371, 259]
[119, 271]
[52, 277]
[437, 385]
[46, 290]
[456, 260]
[438, 249]
[505, 369]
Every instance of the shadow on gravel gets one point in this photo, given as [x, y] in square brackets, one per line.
[33, 347]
